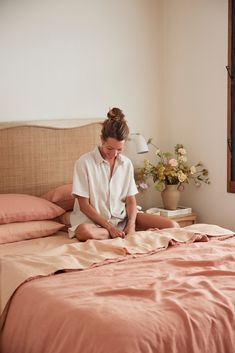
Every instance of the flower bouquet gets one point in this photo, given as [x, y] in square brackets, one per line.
[170, 169]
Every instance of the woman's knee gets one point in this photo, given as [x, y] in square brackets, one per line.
[87, 231]
[83, 232]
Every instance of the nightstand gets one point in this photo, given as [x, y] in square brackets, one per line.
[185, 220]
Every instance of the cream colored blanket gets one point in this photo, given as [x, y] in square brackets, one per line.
[20, 267]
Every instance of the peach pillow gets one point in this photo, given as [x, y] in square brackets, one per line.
[209, 229]
[61, 196]
[12, 232]
[22, 208]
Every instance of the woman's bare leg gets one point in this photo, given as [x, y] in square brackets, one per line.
[146, 221]
[87, 231]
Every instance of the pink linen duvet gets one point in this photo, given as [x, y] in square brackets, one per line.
[178, 300]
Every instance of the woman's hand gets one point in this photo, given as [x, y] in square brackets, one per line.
[114, 232]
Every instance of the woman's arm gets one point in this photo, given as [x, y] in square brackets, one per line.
[92, 214]
[131, 214]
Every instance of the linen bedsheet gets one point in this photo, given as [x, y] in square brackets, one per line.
[134, 297]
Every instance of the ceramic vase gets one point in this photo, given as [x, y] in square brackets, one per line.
[170, 197]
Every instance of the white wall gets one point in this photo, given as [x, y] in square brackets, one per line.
[74, 58]
[162, 61]
[195, 98]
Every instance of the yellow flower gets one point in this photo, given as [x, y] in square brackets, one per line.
[193, 169]
[182, 159]
[146, 163]
[181, 176]
[157, 151]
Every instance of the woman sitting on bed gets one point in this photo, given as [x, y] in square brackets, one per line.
[105, 189]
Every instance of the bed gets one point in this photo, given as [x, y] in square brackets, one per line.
[156, 291]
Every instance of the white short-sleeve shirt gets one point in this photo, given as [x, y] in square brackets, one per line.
[107, 195]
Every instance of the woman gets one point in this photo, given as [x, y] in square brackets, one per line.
[105, 189]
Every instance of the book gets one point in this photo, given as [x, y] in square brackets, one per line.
[180, 211]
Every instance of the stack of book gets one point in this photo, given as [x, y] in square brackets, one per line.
[180, 211]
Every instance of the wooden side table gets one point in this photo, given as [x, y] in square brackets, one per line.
[185, 220]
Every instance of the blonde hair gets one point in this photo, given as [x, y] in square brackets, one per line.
[115, 126]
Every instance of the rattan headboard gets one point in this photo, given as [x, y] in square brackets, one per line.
[35, 159]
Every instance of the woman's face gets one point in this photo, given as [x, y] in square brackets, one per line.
[111, 148]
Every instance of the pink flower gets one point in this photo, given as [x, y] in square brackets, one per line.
[143, 186]
[173, 162]
[181, 151]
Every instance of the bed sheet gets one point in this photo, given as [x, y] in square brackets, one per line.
[177, 300]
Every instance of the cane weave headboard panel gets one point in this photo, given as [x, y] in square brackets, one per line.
[35, 159]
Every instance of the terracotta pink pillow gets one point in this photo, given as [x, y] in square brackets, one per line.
[12, 232]
[61, 196]
[22, 208]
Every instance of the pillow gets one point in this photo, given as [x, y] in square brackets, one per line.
[61, 196]
[211, 230]
[22, 207]
[12, 232]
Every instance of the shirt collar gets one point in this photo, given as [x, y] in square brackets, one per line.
[99, 159]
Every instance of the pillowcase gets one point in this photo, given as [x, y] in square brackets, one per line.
[12, 232]
[22, 208]
[211, 230]
[61, 196]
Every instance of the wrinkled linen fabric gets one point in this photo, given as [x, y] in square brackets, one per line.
[16, 269]
[140, 299]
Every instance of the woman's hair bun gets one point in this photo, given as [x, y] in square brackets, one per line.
[115, 126]
[115, 113]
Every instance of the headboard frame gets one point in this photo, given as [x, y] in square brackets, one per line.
[34, 159]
